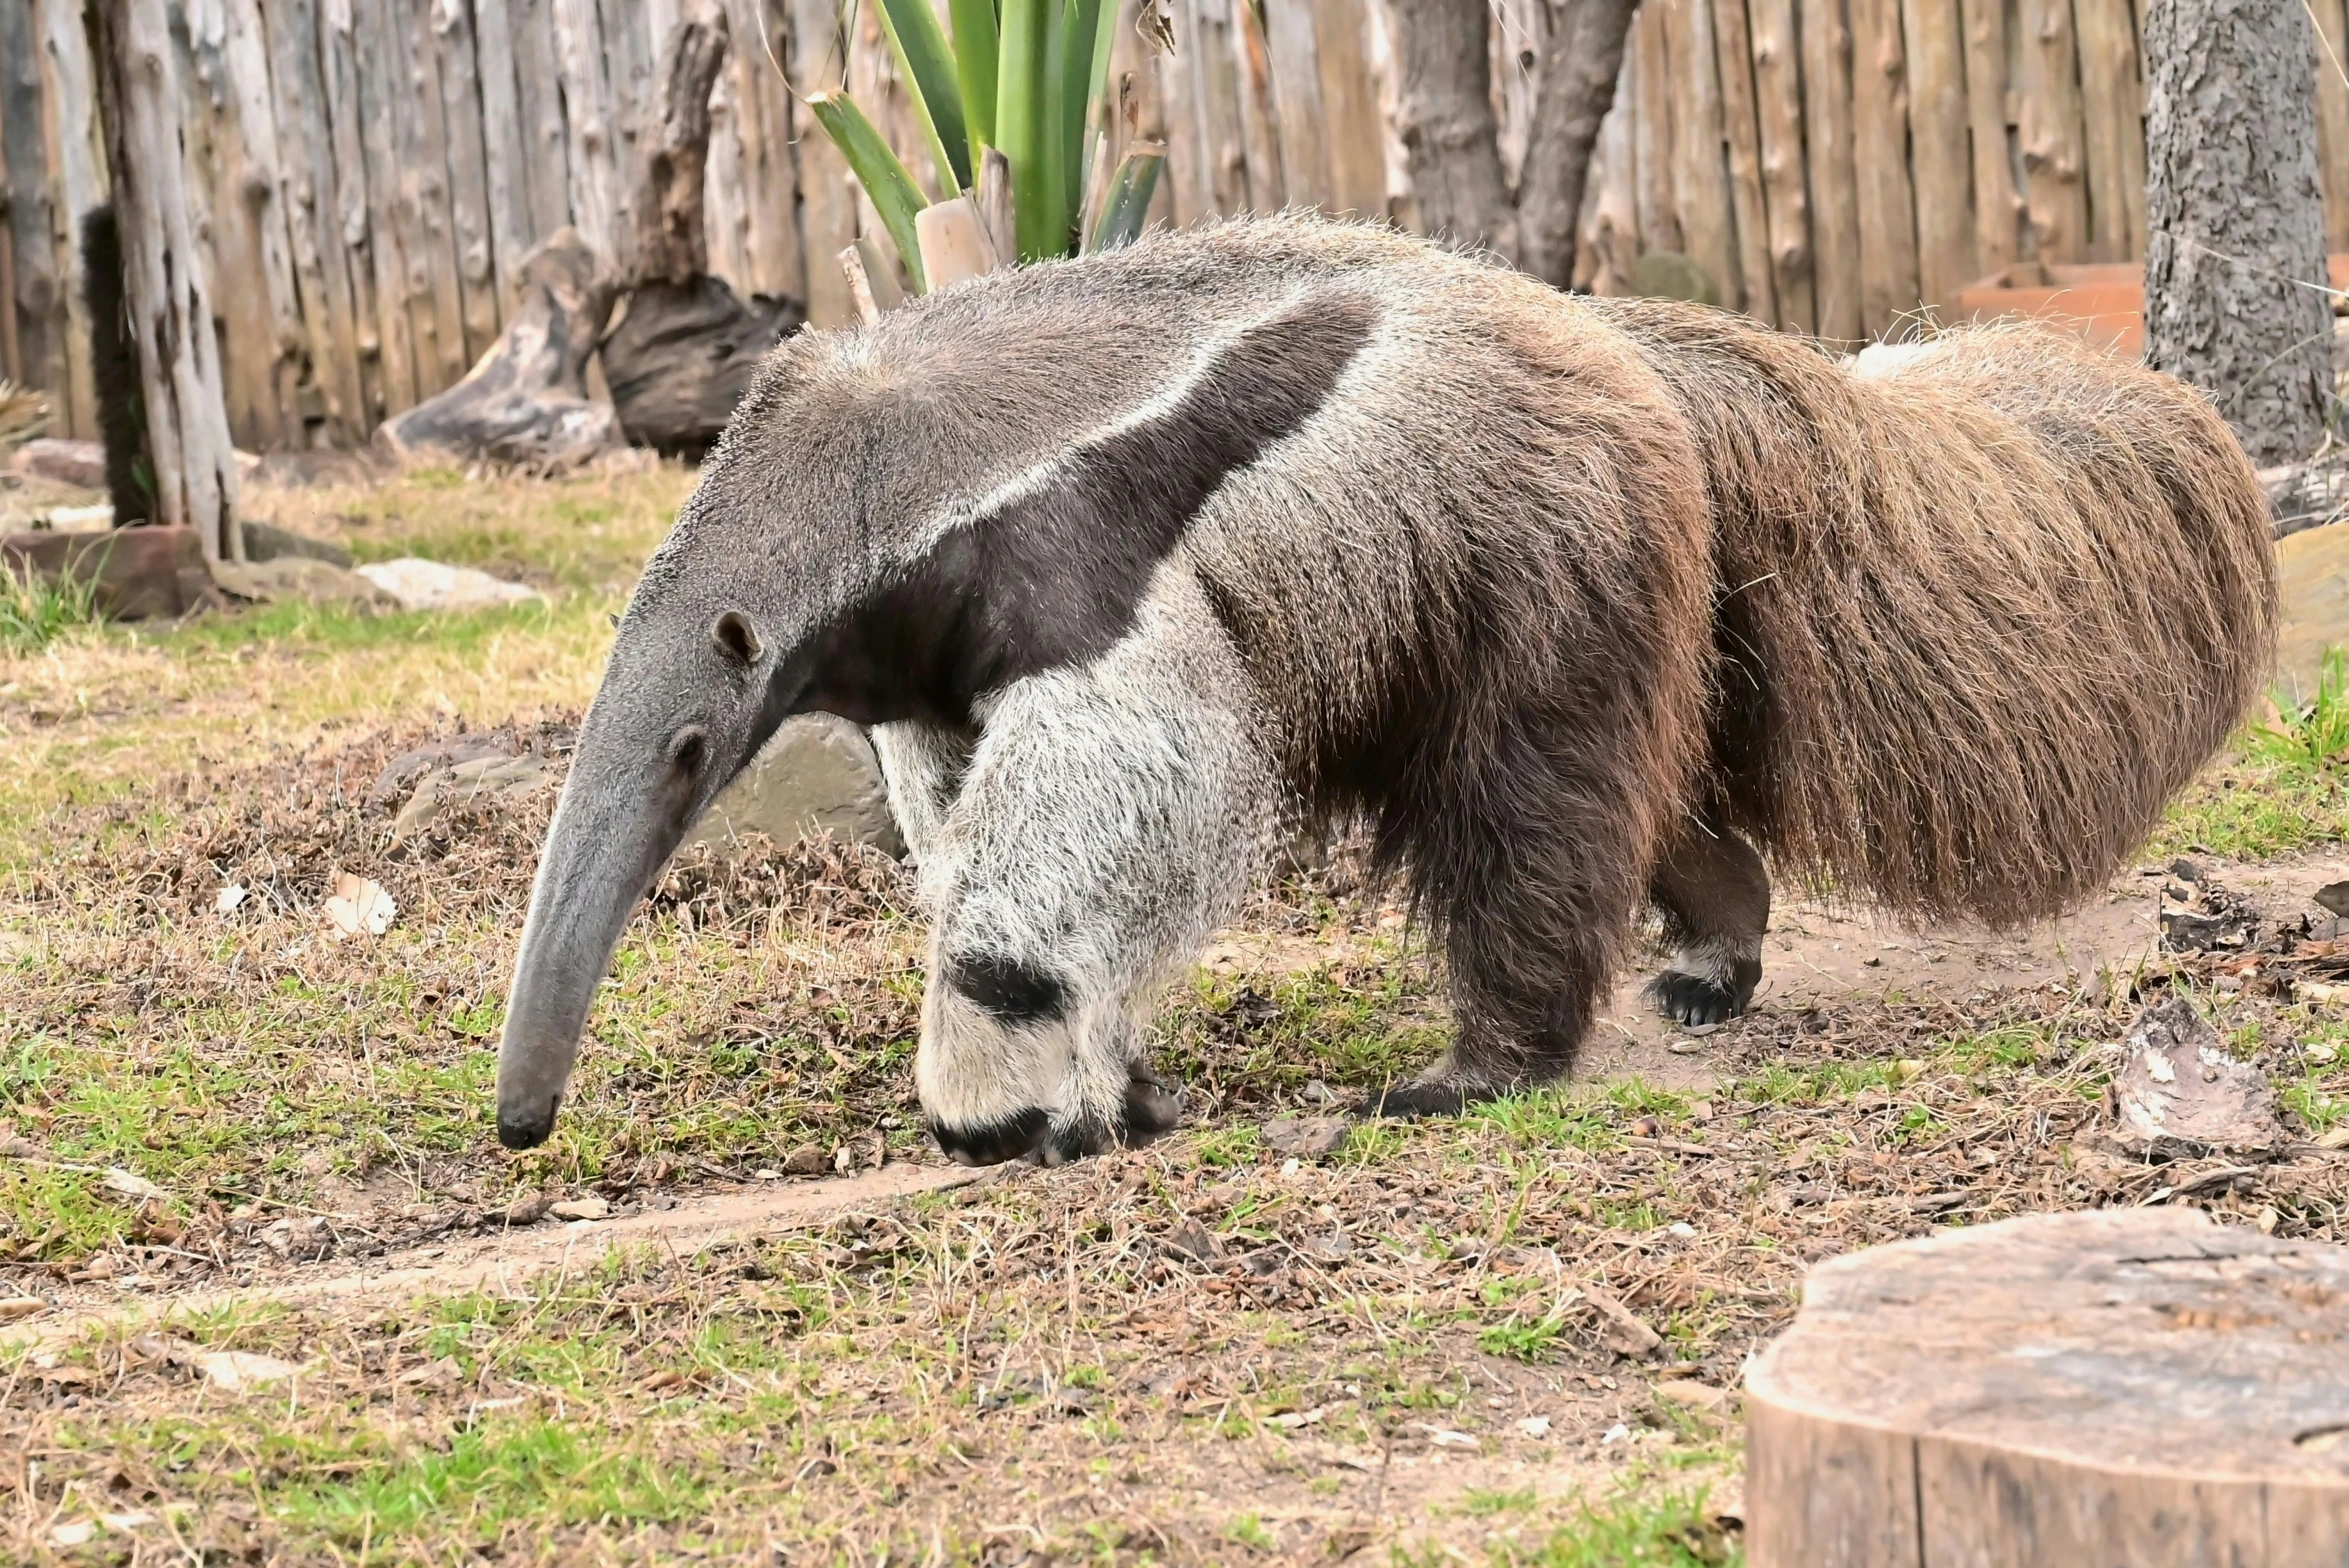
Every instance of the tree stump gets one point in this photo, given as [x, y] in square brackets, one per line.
[526, 401]
[2133, 1387]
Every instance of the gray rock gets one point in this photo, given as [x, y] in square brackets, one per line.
[818, 775]
[2181, 1095]
[1307, 1137]
[500, 778]
[81, 463]
[299, 577]
[268, 542]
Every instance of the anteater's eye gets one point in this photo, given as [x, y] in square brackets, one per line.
[688, 749]
[736, 638]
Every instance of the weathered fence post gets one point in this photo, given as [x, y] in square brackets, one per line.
[163, 279]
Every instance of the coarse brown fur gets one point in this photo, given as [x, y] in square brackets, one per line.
[1978, 616]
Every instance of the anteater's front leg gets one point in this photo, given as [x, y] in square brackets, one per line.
[1110, 818]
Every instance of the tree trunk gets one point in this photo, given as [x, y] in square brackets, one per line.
[671, 243]
[1578, 72]
[1444, 114]
[163, 279]
[2235, 252]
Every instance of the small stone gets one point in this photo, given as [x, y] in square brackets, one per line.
[806, 1160]
[1307, 1137]
[123, 1184]
[1535, 1426]
[843, 1159]
[1192, 1240]
[1690, 1394]
[1620, 1329]
[299, 1238]
[238, 1370]
[1318, 1093]
[2180, 1094]
[528, 1209]
[580, 1209]
[419, 584]
[229, 900]
[14, 1307]
[1330, 1248]
[766, 1173]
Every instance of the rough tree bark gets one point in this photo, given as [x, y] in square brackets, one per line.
[1445, 118]
[1444, 112]
[686, 345]
[163, 279]
[2235, 241]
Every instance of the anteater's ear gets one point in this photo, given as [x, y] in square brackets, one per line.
[736, 638]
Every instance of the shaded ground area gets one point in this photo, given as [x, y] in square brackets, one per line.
[277, 1296]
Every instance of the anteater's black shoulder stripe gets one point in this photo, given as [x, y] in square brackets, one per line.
[1052, 577]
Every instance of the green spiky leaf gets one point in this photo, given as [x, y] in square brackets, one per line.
[974, 68]
[1021, 90]
[1126, 208]
[926, 65]
[887, 182]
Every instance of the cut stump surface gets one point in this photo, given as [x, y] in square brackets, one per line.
[2125, 1386]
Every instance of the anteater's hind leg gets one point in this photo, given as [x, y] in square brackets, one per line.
[1715, 895]
[1537, 904]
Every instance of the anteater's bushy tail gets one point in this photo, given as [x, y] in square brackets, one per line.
[1981, 610]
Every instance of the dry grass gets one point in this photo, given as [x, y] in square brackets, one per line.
[1200, 1352]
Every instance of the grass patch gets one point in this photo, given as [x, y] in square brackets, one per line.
[35, 612]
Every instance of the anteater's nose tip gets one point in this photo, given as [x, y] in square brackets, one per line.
[525, 1129]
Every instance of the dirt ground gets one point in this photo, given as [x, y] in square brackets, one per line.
[277, 1296]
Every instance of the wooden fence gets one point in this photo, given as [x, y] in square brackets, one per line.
[369, 173]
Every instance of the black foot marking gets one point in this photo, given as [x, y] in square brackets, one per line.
[1421, 1099]
[1152, 1107]
[993, 1142]
[1697, 1001]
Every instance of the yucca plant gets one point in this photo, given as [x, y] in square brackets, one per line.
[1024, 79]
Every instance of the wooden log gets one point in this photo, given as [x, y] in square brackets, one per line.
[766, 177]
[39, 295]
[435, 259]
[408, 364]
[1653, 131]
[818, 62]
[591, 119]
[1268, 187]
[1700, 165]
[671, 245]
[1607, 248]
[2132, 1386]
[1834, 177]
[526, 402]
[681, 356]
[2055, 187]
[1444, 117]
[472, 223]
[1301, 123]
[538, 101]
[354, 175]
[1355, 132]
[75, 153]
[1778, 98]
[11, 360]
[2332, 121]
[195, 469]
[1998, 209]
[1939, 154]
[306, 167]
[632, 47]
[231, 181]
[2112, 106]
[1190, 155]
[1889, 287]
[1741, 123]
[505, 159]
